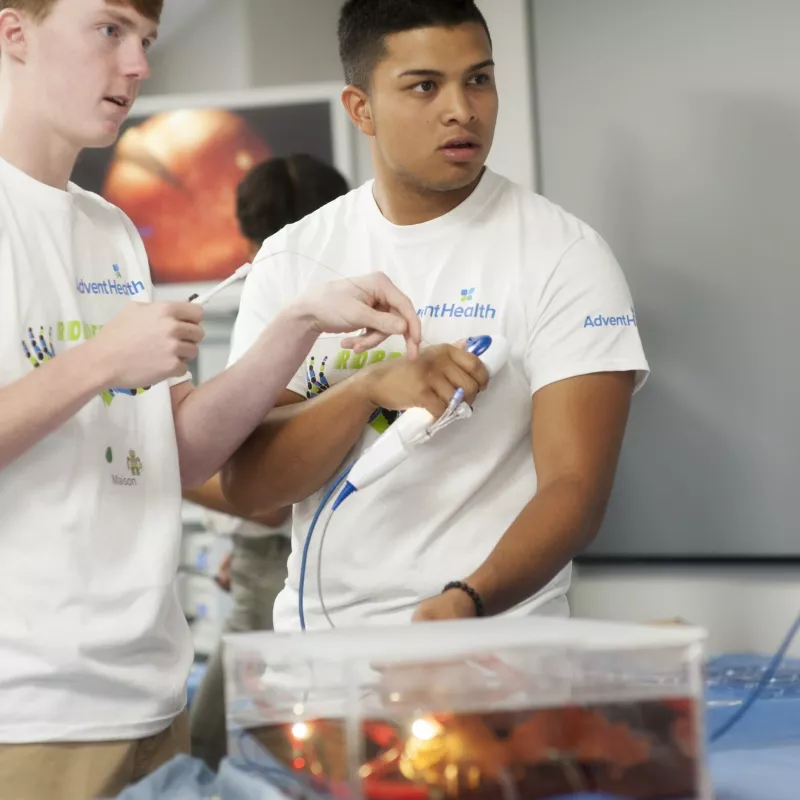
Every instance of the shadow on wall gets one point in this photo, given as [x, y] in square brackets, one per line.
[706, 222]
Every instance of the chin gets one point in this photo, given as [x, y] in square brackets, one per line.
[98, 139]
[454, 182]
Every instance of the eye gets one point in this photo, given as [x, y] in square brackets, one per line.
[481, 80]
[110, 30]
[147, 44]
[424, 87]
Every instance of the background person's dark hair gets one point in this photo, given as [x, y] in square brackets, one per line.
[280, 191]
[363, 25]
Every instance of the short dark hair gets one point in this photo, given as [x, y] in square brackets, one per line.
[280, 191]
[364, 24]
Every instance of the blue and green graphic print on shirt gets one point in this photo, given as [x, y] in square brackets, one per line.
[39, 350]
[317, 383]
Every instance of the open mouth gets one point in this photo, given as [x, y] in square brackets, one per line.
[461, 151]
[460, 146]
[122, 102]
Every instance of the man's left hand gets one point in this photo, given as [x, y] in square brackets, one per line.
[453, 604]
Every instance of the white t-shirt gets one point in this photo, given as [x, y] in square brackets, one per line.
[93, 643]
[506, 261]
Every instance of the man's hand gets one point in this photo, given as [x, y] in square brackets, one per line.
[370, 302]
[429, 382]
[452, 604]
[149, 342]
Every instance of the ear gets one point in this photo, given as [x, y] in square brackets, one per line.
[12, 34]
[356, 103]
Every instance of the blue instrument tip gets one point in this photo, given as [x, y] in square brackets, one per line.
[347, 490]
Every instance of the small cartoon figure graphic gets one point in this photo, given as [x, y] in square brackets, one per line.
[134, 464]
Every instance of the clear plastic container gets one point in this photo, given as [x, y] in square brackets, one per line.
[527, 709]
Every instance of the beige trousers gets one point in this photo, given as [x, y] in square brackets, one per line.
[86, 771]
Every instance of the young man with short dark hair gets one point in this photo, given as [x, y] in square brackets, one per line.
[497, 505]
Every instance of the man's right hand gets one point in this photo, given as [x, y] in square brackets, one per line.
[149, 342]
[430, 381]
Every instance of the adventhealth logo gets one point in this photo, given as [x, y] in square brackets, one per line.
[466, 307]
[116, 285]
[625, 321]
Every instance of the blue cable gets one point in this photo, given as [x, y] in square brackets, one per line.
[310, 533]
[769, 674]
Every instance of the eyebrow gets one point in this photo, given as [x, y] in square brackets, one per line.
[127, 23]
[409, 73]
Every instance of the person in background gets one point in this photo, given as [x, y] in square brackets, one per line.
[273, 194]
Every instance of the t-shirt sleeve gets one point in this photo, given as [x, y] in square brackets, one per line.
[264, 294]
[583, 321]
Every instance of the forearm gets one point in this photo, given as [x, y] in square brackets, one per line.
[213, 420]
[297, 449]
[40, 403]
[210, 496]
[551, 530]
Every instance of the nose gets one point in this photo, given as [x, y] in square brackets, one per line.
[135, 65]
[460, 110]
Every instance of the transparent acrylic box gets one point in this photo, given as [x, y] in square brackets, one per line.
[528, 709]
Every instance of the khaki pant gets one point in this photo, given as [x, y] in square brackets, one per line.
[86, 771]
[258, 573]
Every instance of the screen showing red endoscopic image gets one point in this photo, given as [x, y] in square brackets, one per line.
[175, 174]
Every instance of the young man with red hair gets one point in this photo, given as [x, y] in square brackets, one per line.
[100, 427]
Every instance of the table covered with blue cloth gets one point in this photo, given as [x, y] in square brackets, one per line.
[758, 759]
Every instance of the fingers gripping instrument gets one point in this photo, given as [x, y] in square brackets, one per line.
[418, 425]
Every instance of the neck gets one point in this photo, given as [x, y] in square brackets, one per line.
[404, 204]
[32, 148]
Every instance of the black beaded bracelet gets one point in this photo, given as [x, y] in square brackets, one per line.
[465, 587]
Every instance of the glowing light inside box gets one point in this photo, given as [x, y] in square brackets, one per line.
[425, 729]
[301, 731]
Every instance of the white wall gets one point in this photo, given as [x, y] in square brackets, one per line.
[244, 43]
[513, 154]
[672, 133]
[745, 608]
[294, 41]
[211, 53]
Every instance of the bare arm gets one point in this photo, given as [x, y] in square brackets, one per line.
[298, 448]
[301, 446]
[577, 430]
[212, 421]
[35, 406]
[210, 496]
